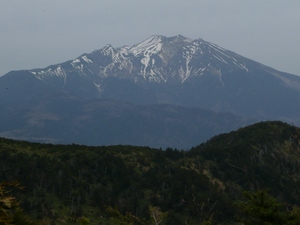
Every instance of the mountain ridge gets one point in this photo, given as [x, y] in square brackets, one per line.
[156, 48]
[160, 70]
[199, 186]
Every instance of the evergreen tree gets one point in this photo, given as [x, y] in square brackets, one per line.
[10, 211]
[260, 208]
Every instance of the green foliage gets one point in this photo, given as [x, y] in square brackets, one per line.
[122, 184]
[78, 220]
[10, 210]
[157, 215]
[260, 208]
[115, 217]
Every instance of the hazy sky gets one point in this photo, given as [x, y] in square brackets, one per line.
[38, 33]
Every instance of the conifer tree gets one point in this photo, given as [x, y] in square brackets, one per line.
[260, 208]
[10, 210]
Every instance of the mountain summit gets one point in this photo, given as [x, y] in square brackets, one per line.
[157, 59]
[174, 70]
[159, 70]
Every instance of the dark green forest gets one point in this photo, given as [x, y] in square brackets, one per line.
[248, 176]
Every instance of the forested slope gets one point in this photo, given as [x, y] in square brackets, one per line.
[140, 185]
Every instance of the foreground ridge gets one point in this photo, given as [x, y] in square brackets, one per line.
[108, 184]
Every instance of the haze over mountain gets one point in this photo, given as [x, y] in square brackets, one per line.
[160, 70]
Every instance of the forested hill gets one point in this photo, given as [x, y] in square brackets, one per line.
[139, 185]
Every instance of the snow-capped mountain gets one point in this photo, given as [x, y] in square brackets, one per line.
[158, 59]
[175, 70]
[170, 70]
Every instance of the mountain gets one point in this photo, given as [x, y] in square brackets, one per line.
[111, 183]
[160, 70]
[64, 118]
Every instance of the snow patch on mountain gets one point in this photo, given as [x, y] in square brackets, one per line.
[151, 45]
[184, 73]
[75, 61]
[86, 59]
[156, 59]
[57, 71]
[220, 54]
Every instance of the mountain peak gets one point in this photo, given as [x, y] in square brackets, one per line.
[180, 38]
[152, 44]
[156, 59]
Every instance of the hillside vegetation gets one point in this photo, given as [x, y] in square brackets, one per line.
[69, 184]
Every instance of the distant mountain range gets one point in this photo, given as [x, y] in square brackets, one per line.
[117, 95]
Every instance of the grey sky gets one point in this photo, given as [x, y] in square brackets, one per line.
[38, 33]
